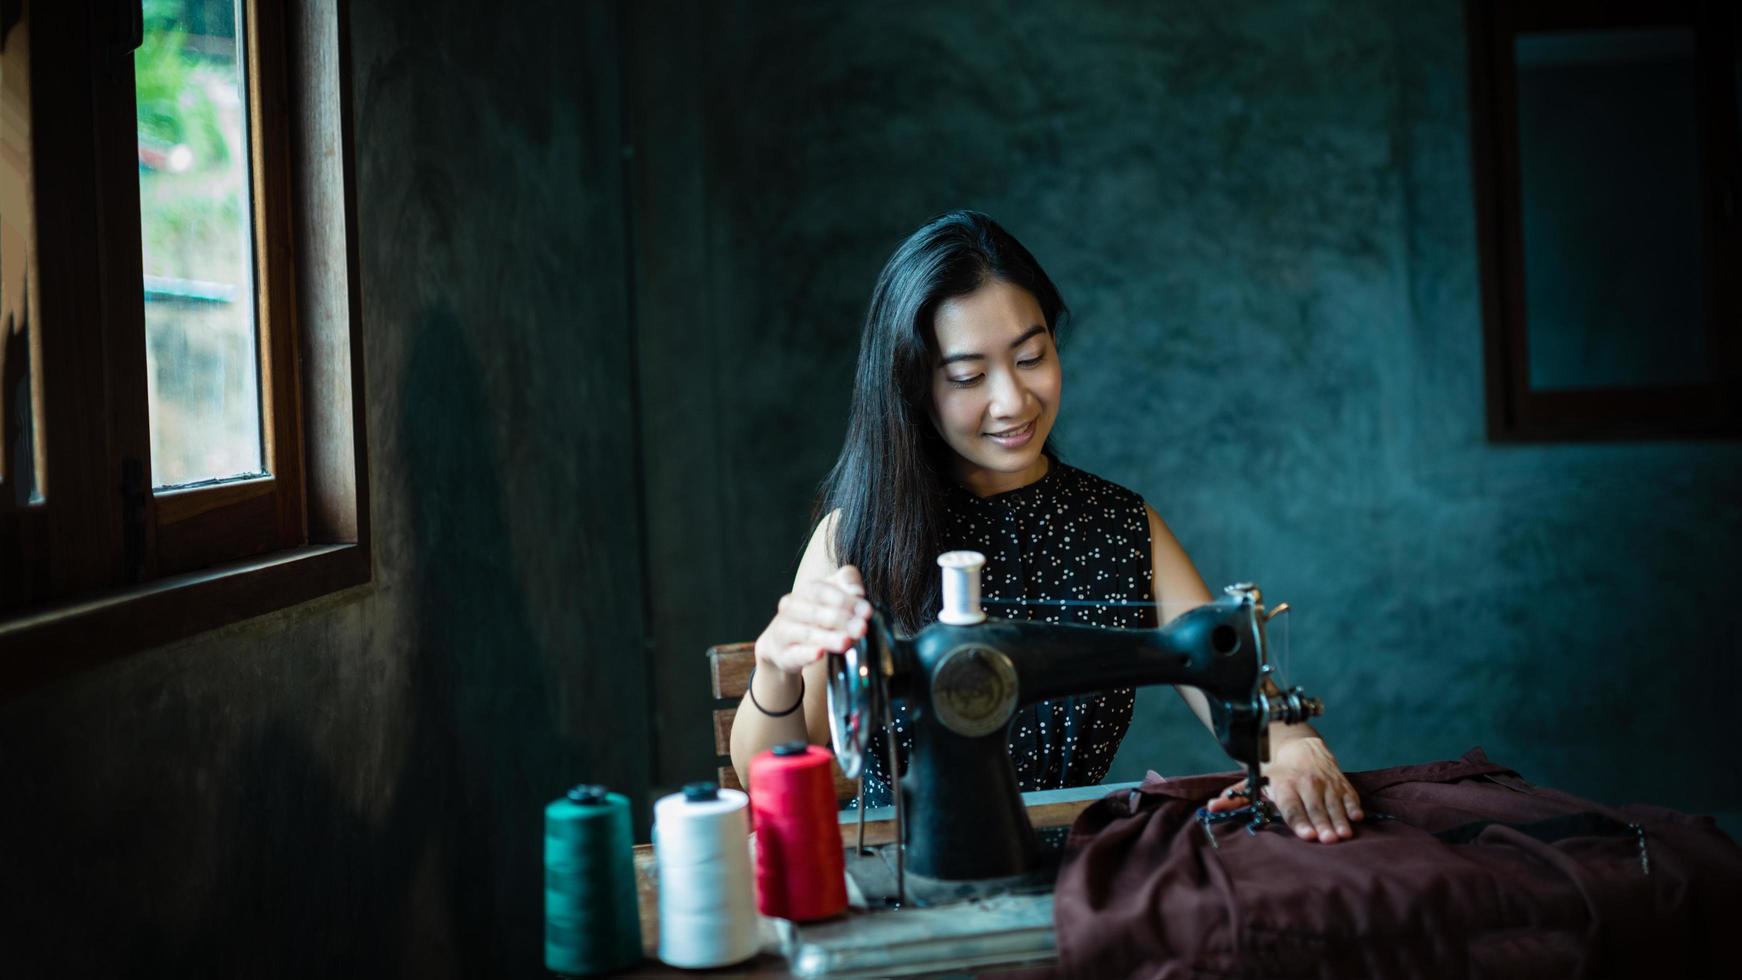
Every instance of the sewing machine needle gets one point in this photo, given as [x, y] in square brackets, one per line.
[900, 815]
[861, 848]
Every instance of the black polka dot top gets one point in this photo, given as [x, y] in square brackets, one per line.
[1068, 535]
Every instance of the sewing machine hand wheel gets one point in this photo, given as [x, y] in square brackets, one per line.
[856, 693]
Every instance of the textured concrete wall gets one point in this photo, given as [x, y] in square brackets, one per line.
[1262, 214]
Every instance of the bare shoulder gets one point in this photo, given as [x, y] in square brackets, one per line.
[824, 535]
[823, 538]
[1177, 584]
[820, 559]
[1161, 538]
[1158, 528]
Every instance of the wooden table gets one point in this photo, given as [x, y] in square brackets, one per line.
[1053, 808]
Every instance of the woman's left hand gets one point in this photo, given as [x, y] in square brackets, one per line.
[1306, 785]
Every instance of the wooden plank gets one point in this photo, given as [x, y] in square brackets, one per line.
[730, 664]
[40, 646]
[246, 525]
[17, 252]
[176, 506]
[86, 180]
[23, 539]
[845, 789]
[647, 899]
[327, 301]
[271, 164]
[723, 730]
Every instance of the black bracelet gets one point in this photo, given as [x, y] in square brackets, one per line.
[751, 690]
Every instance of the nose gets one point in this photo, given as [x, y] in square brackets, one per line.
[1009, 395]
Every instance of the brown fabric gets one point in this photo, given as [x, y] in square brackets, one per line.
[1523, 882]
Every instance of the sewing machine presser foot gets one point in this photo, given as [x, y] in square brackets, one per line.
[1258, 814]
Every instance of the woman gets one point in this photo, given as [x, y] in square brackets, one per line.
[956, 394]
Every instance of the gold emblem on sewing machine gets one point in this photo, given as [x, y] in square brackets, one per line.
[974, 690]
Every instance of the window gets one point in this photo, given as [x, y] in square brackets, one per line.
[1605, 144]
[180, 368]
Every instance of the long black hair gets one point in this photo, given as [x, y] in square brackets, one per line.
[890, 480]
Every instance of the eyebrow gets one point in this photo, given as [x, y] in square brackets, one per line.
[1018, 342]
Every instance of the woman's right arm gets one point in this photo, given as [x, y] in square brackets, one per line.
[826, 612]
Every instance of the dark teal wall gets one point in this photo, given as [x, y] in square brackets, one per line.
[1262, 215]
[601, 382]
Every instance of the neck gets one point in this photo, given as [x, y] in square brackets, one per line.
[985, 483]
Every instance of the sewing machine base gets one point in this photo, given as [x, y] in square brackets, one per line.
[872, 877]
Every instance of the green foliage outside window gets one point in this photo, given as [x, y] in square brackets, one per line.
[174, 108]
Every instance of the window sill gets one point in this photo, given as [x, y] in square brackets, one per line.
[42, 645]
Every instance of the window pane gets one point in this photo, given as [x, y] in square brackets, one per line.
[201, 340]
[1608, 141]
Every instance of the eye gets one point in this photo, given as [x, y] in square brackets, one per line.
[1032, 360]
[967, 382]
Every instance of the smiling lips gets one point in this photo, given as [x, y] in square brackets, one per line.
[1014, 438]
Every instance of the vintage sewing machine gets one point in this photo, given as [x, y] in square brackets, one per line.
[963, 679]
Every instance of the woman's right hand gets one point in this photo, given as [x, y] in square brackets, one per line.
[825, 615]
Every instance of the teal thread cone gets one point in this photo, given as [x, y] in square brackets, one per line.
[591, 923]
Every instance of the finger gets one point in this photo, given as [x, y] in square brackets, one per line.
[848, 615]
[1288, 803]
[827, 605]
[1312, 796]
[827, 615]
[1334, 810]
[1352, 804]
[1232, 798]
[828, 640]
[1223, 801]
[802, 643]
[824, 592]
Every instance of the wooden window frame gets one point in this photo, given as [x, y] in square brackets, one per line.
[103, 565]
[1517, 412]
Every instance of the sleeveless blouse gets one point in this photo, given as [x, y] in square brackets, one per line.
[1069, 535]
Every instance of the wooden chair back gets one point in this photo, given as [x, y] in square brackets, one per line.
[729, 666]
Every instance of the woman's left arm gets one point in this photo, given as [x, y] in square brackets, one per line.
[1304, 780]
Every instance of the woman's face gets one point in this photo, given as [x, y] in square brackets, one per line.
[995, 386]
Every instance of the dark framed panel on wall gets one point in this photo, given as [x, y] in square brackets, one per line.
[1607, 171]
